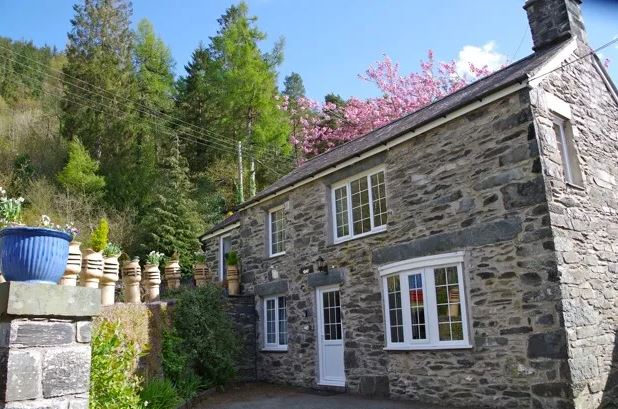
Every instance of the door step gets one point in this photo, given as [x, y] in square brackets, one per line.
[328, 390]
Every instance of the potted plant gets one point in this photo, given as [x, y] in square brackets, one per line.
[200, 270]
[74, 262]
[152, 275]
[172, 272]
[131, 277]
[32, 254]
[92, 266]
[233, 279]
[111, 268]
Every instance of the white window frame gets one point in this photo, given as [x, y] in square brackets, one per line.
[221, 255]
[346, 182]
[568, 148]
[274, 346]
[270, 232]
[425, 266]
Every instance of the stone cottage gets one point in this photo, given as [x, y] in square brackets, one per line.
[466, 253]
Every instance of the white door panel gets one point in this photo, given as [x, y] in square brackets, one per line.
[330, 337]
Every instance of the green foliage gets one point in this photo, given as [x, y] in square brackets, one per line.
[155, 258]
[202, 344]
[80, 172]
[160, 394]
[112, 250]
[112, 382]
[99, 237]
[231, 258]
[293, 86]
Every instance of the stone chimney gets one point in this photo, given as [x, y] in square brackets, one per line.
[553, 21]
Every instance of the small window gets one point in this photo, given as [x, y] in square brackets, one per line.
[570, 163]
[359, 206]
[424, 304]
[275, 323]
[276, 230]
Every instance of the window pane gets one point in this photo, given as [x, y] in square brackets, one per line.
[378, 191]
[271, 335]
[361, 216]
[341, 212]
[417, 306]
[332, 315]
[283, 322]
[448, 304]
[277, 231]
[394, 308]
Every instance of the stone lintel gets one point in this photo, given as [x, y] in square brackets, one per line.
[320, 279]
[47, 300]
[272, 288]
[478, 235]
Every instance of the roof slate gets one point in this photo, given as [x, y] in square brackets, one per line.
[512, 74]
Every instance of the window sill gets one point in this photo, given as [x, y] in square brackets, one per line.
[426, 347]
[360, 236]
[274, 349]
[276, 255]
[575, 186]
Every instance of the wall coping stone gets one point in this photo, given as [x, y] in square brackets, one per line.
[474, 236]
[272, 288]
[321, 279]
[43, 300]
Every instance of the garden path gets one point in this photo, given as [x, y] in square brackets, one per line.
[267, 396]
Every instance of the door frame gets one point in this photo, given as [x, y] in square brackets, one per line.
[320, 327]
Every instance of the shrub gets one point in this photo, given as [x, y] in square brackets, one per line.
[202, 340]
[112, 382]
[160, 394]
[98, 240]
[112, 250]
[231, 258]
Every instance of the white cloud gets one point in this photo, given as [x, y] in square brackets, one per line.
[485, 55]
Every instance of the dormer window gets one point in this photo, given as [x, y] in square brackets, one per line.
[359, 206]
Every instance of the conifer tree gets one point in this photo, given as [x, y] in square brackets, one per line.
[80, 173]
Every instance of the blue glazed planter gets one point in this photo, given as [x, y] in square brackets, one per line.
[33, 254]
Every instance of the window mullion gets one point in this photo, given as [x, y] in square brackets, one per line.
[369, 187]
[276, 321]
[348, 189]
[266, 343]
[432, 312]
[404, 285]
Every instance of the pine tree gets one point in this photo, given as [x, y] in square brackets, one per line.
[293, 86]
[171, 223]
[100, 87]
[80, 173]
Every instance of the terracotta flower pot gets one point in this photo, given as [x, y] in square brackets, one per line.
[233, 280]
[172, 273]
[201, 275]
[151, 282]
[92, 269]
[74, 265]
[131, 277]
[107, 284]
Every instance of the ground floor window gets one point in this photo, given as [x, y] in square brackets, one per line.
[275, 323]
[424, 303]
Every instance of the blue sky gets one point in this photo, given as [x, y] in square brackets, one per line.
[329, 42]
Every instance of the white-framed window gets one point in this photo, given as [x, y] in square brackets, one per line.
[359, 205]
[563, 132]
[275, 323]
[225, 245]
[276, 231]
[425, 303]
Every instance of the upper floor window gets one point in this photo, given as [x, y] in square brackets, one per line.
[570, 164]
[276, 231]
[275, 323]
[425, 303]
[359, 206]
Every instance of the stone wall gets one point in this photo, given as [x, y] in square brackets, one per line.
[242, 314]
[585, 225]
[211, 247]
[45, 345]
[473, 184]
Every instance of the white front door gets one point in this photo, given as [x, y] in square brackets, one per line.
[330, 337]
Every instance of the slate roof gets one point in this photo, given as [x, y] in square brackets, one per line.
[512, 74]
[230, 220]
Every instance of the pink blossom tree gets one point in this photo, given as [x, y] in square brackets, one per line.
[319, 127]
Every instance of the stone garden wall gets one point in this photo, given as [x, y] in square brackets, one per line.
[585, 226]
[473, 184]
